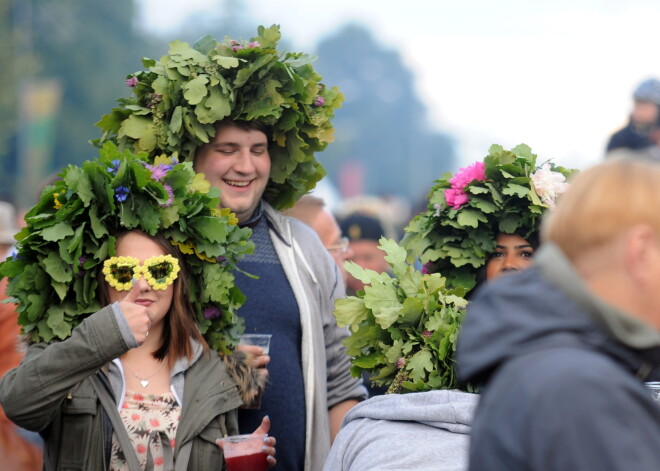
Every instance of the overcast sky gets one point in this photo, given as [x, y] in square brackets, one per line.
[557, 75]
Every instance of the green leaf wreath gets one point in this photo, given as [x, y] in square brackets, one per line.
[403, 327]
[177, 100]
[71, 231]
[506, 193]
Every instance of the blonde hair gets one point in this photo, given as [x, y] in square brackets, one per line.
[603, 202]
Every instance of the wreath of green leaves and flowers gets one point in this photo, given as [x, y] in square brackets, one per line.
[71, 232]
[505, 193]
[403, 326]
[177, 100]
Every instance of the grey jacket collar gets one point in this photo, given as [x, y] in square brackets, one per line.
[627, 329]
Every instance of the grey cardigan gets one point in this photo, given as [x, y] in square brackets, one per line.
[316, 284]
[53, 392]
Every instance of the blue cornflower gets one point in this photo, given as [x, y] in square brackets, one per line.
[121, 193]
[115, 166]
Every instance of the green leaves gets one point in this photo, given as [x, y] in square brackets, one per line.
[456, 241]
[350, 312]
[195, 90]
[402, 327]
[73, 229]
[179, 98]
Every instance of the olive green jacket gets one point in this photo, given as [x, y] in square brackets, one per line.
[54, 392]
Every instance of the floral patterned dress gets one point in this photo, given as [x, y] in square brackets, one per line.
[151, 421]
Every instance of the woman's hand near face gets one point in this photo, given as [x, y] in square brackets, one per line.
[137, 317]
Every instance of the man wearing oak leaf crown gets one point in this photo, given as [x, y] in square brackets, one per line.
[251, 119]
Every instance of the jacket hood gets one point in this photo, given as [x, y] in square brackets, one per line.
[524, 312]
[450, 410]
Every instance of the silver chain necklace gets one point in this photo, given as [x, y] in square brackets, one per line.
[144, 381]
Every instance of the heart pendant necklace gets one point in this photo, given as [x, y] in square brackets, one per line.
[144, 382]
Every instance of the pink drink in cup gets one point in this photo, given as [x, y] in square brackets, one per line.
[245, 452]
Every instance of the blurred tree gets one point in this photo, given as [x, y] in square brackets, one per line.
[87, 47]
[382, 134]
[16, 62]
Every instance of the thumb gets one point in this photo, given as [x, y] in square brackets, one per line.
[133, 293]
[264, 427]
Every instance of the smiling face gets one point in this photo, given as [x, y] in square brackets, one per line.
[142, 247]
[237, 162]
[512, 253]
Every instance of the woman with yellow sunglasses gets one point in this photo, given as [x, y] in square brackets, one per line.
[126, 299]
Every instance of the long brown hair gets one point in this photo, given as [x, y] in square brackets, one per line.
[180, 322]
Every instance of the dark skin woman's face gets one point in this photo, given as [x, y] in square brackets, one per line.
[512, 253]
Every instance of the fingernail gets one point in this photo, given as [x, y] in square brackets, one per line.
[134, 280]
[266, 440]
[264, 448]
[268, 417]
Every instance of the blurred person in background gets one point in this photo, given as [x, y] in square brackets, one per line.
[638, 133]
[19, 449]
[312, 211]
[8, 228]
[363, 232]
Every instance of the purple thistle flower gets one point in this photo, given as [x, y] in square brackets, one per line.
[427, 333]
[235, 46]
[158, 172]
[132, 82]
[319, 101]
[170, 196]
[211, 312]
[401, 362]
[115, 166]
[121, 193]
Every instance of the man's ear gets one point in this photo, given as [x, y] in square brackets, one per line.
[641, 254]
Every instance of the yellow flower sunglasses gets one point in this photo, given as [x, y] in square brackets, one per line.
[160, 271]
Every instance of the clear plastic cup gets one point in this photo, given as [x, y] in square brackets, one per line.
[245, 452]
[259, 340]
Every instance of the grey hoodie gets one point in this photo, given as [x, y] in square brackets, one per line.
[420, 431]
[562, 375]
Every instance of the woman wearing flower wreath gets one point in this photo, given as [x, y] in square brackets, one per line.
[484, 220]
[404, 327]
[119, 263]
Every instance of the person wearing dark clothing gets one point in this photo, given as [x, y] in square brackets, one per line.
[639, 132]
[561, 355]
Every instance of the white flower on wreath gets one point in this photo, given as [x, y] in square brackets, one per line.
[548, 184]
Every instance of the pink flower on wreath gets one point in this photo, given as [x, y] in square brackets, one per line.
[456, 196]
[132, 82]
